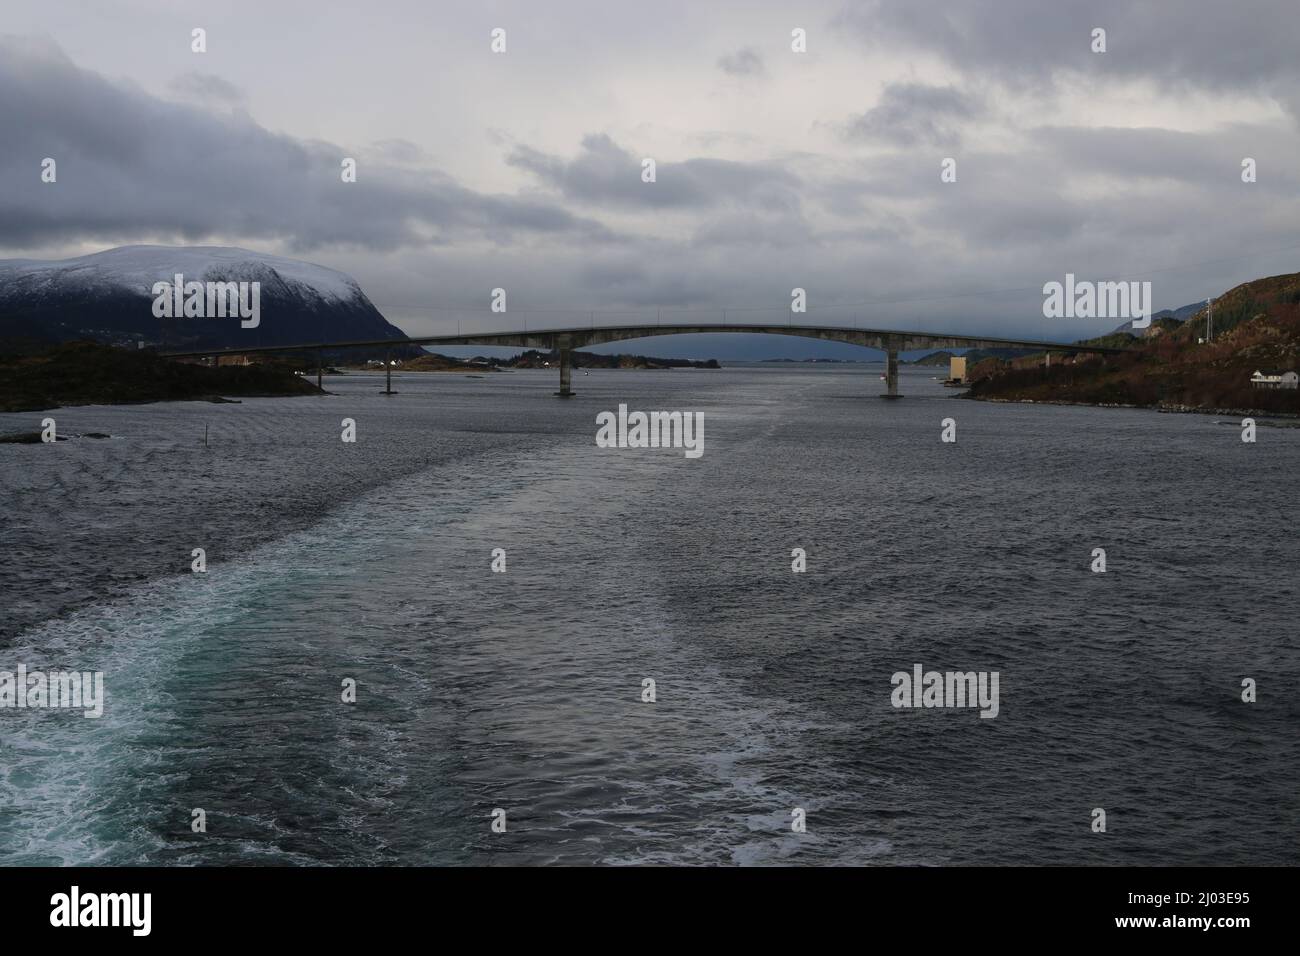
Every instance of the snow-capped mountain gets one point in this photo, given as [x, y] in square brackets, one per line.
[108, 296]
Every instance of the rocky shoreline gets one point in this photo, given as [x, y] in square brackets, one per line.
[1172, 409]
[86, 373]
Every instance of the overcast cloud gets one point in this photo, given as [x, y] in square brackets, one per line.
[774, 169]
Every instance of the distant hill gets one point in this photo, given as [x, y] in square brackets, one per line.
[934, 358]
[1256, 327]
[1163, 321]
[434, 362]
[107, 297]
[536, 359]
[972, 356]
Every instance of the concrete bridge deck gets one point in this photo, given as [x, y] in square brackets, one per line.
[564, 341]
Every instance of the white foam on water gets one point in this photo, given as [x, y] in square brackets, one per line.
[59, 766]
[62, 784]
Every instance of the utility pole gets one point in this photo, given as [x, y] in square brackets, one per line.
[1209, 321]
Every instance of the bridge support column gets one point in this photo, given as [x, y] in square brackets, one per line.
[566, 370]
[891, 374]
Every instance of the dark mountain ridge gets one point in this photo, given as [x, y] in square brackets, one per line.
[107, 297]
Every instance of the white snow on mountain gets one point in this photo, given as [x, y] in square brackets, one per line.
[137, 268]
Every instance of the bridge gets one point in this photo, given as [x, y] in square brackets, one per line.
[565, 341]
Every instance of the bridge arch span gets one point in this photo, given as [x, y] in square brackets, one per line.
[566, 340]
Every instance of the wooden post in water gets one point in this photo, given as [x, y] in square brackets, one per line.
[320, 368]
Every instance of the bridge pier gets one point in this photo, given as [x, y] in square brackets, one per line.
[891, 374]
[566, 371]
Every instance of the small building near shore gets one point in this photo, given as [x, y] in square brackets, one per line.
[1275, 379]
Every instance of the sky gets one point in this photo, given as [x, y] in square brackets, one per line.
[774, 169]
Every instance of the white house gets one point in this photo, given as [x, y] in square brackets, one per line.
[1275, 379]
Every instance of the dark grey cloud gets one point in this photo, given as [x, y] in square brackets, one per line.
[789, 206]
[399, 151]
[743, 62]
[641, 282]
[1246, 45]
[1136, 156]
[604, 172]
[748, 229]
[912, 114]
[207, 89]
[1034, 219]
[133, 166]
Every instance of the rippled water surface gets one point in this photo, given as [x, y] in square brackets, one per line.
[522, 690]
